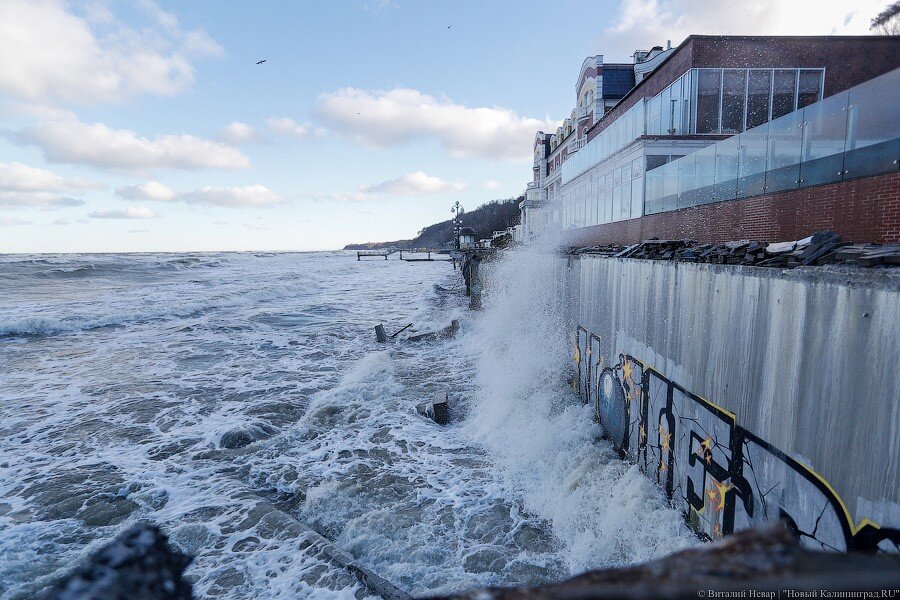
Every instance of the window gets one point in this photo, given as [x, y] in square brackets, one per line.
[708, 94]
[733, 81]
[783, 92]
[758, 91]
[810, 84]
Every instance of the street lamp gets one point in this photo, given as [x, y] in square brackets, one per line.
[458, 211]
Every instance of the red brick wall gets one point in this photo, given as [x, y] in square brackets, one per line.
[860, 210]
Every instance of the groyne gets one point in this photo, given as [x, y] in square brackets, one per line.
[749, 394]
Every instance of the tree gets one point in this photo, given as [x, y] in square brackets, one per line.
[887, 22]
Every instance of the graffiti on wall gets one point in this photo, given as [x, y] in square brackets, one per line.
[722, 477]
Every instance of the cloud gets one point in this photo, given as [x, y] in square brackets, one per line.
[238, 133]
[11, 222]
[491, 185]
[413, 184]
[97, 145]
[289, 127]
[402, 115]
[377, 7]
[234, 197]
[60, 56]
[231, 197]
[23, 185]
[645, 23]
[151, 190]
[60, 222]
[132, 212]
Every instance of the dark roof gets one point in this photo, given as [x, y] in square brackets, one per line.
[466, 231]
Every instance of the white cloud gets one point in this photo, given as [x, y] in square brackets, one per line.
[289, 127]
[645, 23]
[231, 197]
[491, 185]
[399, 116]
[12, 222]
[60, 222]
[132, 212]
[238, 133]
[22, 178]
[413, 184]
[97, 145]
[55, 55]
[23, 185]
[151, 190]
[234, 197]
[377, 7]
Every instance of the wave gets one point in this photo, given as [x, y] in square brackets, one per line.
[42, 326]
[539, 433]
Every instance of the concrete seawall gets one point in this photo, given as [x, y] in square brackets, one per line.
[748, 393]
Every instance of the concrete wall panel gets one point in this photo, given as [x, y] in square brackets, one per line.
[804, 360]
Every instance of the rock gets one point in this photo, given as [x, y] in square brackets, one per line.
[138, 563]
[767, 559]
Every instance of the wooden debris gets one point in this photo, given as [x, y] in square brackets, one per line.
[824, 247]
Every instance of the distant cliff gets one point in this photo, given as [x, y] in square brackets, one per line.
[487, 218]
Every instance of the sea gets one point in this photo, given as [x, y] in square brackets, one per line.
[240, 402]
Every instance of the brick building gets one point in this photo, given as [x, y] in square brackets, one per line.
[727, 137]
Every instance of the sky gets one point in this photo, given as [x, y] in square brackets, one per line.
[149, 126]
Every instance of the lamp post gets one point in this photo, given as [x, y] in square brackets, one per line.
[458, 211]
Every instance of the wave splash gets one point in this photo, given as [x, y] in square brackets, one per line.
[606, 512]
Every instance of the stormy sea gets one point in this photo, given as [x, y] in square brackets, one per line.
[240, 400]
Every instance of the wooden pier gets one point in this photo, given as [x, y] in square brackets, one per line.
[447, 253]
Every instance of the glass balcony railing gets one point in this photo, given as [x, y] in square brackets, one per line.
[852, 134]
[619, 134]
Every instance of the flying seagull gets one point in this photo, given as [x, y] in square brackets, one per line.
[261, 62]
[449, 26]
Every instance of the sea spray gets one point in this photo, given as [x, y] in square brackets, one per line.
[545, 440]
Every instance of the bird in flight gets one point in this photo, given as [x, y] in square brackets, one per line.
[449, 26]
[261, 62]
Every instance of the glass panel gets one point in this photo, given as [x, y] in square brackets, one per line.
[753, 163]
[655, 190]
[607, 200]
[824, 131]
[676, 103]
[687, 180]
[873, 128]
[670, 186]
[708, 85]
[653, 116]
[733, 88]
[665, 103]
[784, 152]
[783, 92]
[637, 187]
[705, 177]
[809, 87]
[686, 103]
[758, 92]
[616, 202]
[727, 168]
[626, 198]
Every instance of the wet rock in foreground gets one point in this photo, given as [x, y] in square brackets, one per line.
[138, 563]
